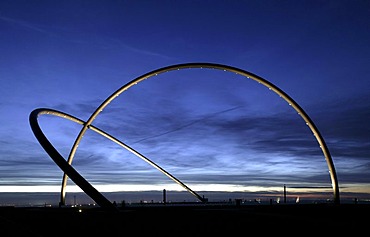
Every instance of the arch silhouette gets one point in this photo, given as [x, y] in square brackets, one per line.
[70, 172]
[40, 111]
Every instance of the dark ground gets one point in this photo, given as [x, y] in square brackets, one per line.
[189, 220]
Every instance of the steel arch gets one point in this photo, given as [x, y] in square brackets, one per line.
[241, 72]
[41, 111]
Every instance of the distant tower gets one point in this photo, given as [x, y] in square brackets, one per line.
[284, 193]
[164, 196]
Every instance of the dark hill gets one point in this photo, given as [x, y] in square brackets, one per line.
[187, 220]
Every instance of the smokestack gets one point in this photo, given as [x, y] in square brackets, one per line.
[284, 193]
[164, 196]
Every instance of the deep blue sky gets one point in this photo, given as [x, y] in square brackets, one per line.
[204, 126]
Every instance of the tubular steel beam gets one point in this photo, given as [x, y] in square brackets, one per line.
[272, 87]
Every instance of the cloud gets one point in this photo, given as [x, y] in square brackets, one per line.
[186, 125]
[23, 24]
[344, 125]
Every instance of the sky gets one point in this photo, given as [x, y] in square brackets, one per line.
[214, 130]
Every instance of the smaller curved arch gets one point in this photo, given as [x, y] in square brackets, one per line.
[42, 111]
[63, 164]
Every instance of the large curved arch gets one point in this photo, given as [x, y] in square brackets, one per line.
[241, 72]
